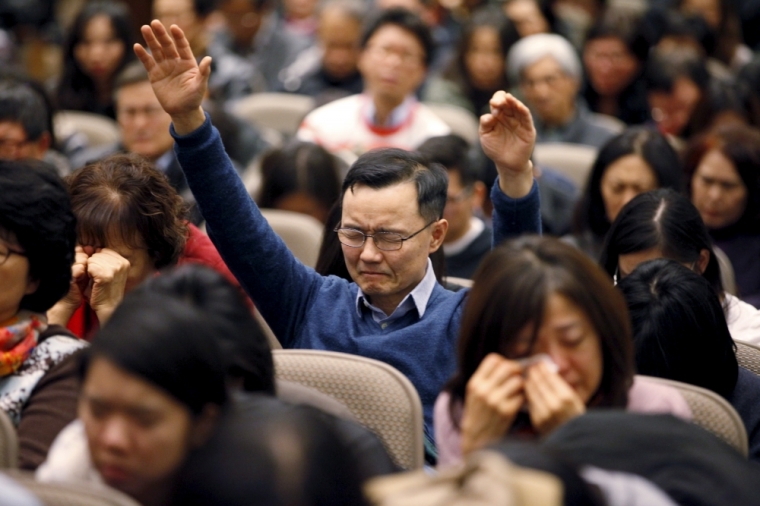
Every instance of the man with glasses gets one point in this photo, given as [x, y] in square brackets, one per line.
[549, 73]
[144, 129]
[391, 221]
[396, 51]
[26, 124]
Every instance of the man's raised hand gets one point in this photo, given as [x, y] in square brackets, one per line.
[178, 81]
[507, 135]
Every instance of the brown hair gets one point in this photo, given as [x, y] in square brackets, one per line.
[741, 145]
[124, 198]
[510, 291]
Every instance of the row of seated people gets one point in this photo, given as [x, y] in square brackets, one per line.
[157, 419]
[391, 220]
[720, 165]
[636, 76]
[297, 47]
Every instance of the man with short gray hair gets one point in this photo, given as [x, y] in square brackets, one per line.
[549, 75]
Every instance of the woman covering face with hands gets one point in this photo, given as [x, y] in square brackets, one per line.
[129, 225]
[544, 336]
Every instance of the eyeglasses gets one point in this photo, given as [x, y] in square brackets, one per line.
[385, 241]
[130, 113]
[407, 58]
[6, 252]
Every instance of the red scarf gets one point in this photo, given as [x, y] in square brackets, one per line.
[18, 337]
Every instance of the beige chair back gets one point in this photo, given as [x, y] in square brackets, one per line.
[281, 111]
[464, 282]
[301, 233]
[274, 343]
[748, 356]
[727, 276]
[72, 494]
[572, 160]
[461, 121]
[711, 412]
[379, 396]
[98, 129]
[8, 443]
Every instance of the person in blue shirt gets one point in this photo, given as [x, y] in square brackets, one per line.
[392, 208]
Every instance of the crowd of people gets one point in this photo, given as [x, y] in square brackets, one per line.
[535, 319]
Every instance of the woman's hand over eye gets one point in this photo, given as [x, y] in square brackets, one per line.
[493, 399]
[551, 401]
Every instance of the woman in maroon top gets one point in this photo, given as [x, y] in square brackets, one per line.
[130, 224]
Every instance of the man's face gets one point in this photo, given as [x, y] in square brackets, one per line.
[386, 277]
[144, 124]
[339, 35]
[243, 20]
[15, 144]
[550, 92]
[392, 64]
[460, 201]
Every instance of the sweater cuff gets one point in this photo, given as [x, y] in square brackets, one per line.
[499, 198]
[191, 139]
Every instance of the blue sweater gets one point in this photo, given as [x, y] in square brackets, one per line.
[307, 310]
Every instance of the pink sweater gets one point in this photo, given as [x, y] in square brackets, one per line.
[643, 397]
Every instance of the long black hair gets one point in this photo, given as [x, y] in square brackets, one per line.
[652, 147]
[76, 90]
[665, 220]
[679, 329]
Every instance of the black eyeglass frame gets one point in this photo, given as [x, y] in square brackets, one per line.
[5, 256]
[400, 242]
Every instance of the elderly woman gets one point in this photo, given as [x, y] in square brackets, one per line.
[548, 71]
[36, 252]
[130, 224]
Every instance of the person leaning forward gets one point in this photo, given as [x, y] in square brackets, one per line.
[392, 208]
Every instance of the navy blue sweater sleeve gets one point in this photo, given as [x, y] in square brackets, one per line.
[513, 217]
[278, 283]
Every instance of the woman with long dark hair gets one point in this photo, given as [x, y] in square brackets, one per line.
[98, 47]
[544, 336]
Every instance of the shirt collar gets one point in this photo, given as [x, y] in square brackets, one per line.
[162, 162]
[419, 298]
[397, 116]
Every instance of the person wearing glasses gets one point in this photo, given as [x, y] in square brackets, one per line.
[26, 122]
[392, 220]
[37, 237]
[468, 239]
[397, 49]
[549, 74]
